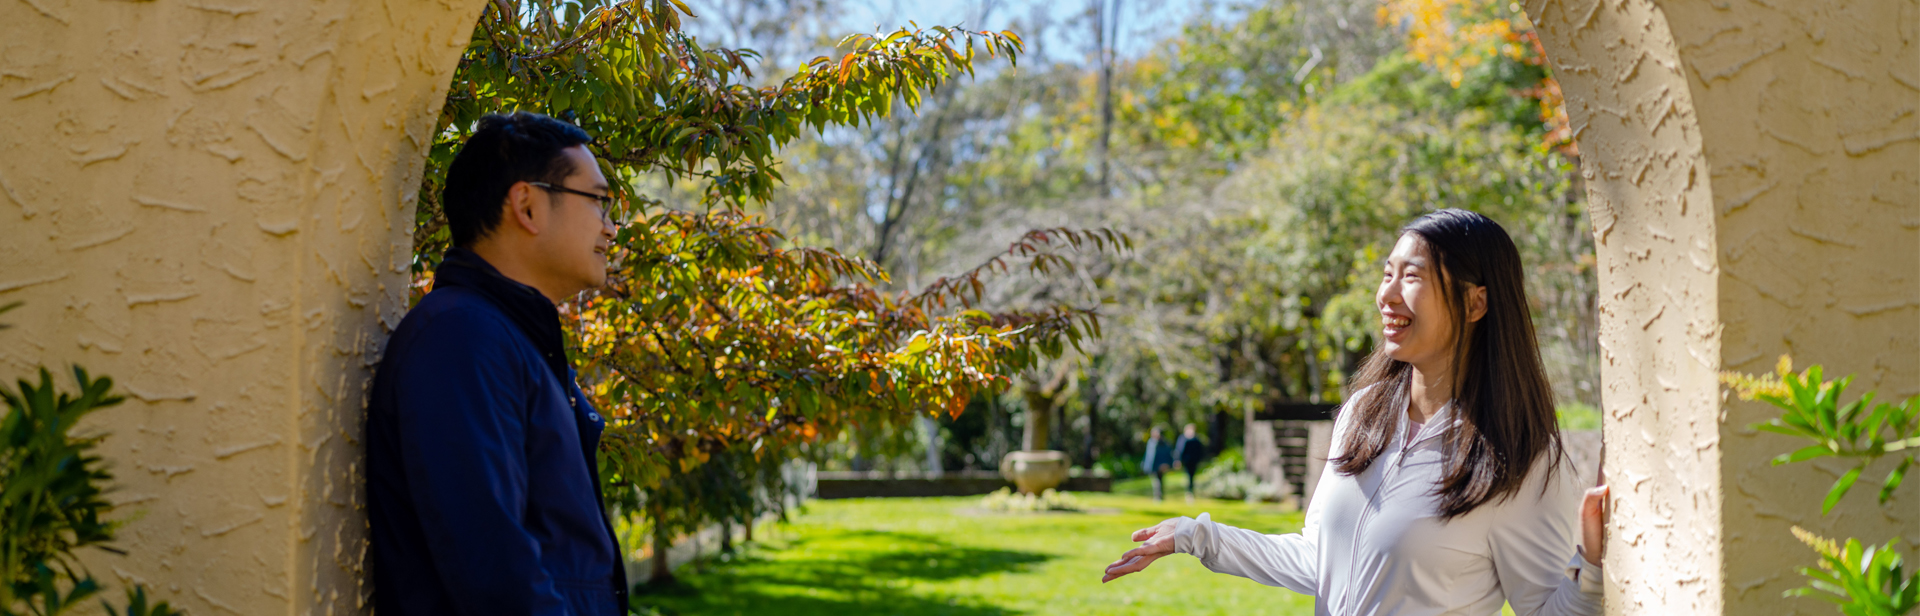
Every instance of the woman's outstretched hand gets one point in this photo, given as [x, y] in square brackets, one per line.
[1157, 542]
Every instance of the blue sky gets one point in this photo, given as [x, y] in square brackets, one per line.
[1067, 35]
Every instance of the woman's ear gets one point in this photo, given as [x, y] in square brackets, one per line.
[1476, 303]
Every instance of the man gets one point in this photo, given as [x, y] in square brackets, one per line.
[1159, 460]
[1189, 452]
[482, 486]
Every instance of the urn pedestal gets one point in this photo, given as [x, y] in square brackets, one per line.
[1034, 472]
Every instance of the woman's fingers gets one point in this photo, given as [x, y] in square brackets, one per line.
[1128, 565]
[1593, 523]
[1158, 542]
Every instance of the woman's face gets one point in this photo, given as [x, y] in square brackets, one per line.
[1416, 323]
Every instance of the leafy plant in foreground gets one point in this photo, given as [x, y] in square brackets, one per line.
[52, 499]
[1863, 581]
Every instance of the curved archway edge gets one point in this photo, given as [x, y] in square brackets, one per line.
[1753, 171]
[211, 202]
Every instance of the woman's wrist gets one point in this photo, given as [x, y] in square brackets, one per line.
[1190, 535]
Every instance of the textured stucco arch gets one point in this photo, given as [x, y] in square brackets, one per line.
[1753, 170]
[210, 201]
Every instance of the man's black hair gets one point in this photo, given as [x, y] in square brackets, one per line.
[503, 150]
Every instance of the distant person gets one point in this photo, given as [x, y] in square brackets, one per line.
[1159, 461]
[483, 494]
[1447, 490]
[1190, 452]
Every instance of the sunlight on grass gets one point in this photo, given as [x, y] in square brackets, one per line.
[947, 556]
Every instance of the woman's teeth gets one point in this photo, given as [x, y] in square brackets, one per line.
[1395, 321]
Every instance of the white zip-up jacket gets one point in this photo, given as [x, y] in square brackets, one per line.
[1374, 544]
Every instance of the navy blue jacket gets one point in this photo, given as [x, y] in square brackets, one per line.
[1190, 452]
[482, 494]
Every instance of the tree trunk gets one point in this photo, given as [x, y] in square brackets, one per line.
[1089, 445]
[1039, 414]
[746, 531]
[1217, 432]
[726, 536]
[662, 543]
[1103, 47]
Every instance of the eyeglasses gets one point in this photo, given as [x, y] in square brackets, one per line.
[605, 202]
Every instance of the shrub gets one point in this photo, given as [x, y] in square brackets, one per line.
[51, 499]
[1005, 500]
[1228, 478]
[1863, 581]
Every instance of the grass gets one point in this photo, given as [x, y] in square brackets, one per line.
[943, 556]
[1578, 416]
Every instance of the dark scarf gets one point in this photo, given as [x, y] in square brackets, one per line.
[536, 318]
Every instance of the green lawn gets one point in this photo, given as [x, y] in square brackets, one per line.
[930, 556]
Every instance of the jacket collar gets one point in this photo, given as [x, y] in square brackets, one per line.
[1439, 424]
[531, 312]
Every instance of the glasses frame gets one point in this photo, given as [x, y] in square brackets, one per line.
[604, 202]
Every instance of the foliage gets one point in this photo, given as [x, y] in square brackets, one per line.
[1577, 416]
[1859, 430]
[657, 102]
[1862, 581]
[1227, 478]
[1006, 500]
[757, 344]
[720, 348]
[52, 500]
[1456, 37]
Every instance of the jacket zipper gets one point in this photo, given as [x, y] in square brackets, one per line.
[1386, 481]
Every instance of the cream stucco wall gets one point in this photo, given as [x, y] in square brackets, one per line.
[1754, 173]
[210, 201]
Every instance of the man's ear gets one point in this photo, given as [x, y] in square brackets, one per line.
[1476, 303]
[522, 210]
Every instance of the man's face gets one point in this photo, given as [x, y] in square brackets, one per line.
[573, 249]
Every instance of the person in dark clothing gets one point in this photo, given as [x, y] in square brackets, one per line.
[1190, 452]
[483, 495]
[1159, 460]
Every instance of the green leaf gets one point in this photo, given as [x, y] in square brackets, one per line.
[1893, 480]
[1804, 454]
[1840, 489]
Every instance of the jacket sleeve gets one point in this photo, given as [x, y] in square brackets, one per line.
[1540, 568]
[1291, 561]
[462, 417]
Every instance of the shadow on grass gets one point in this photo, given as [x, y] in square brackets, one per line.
[842, 574]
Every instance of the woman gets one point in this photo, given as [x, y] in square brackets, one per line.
[1447, 491]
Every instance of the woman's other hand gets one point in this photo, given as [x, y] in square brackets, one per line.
[1157, 542]
[1593, 524]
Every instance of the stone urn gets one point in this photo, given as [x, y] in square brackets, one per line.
[1035, 471]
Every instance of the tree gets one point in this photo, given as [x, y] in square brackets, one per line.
[717, 345]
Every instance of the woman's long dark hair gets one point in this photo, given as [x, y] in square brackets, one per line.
[1500, 389]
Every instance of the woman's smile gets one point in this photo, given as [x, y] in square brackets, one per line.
[1394, 327]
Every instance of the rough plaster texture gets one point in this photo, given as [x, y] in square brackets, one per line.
[210, 201]
[1753, 169]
